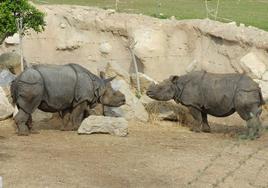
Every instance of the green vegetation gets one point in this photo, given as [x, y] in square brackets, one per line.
[12, 10]
[249, 12]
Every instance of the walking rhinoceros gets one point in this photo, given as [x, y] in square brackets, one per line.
[68, 89]
[219, 95]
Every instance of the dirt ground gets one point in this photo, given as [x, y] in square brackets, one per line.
[152, 155]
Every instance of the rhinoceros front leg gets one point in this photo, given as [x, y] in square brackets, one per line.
[79, 114]
[201, 120]
[72, 120]
[251, 114]
[21, 120]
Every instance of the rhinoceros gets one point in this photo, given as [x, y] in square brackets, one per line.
[219, 95]
[68, 89]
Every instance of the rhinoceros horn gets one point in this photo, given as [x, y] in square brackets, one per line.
[109, 79]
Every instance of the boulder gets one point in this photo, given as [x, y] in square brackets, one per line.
[264, 88]
[6, 109]
[133, 109]
[253, 64]
[6, 77]
[265, 76]
[10, 61]
[114, 69]
[145, 81]
[101, 124]
[192, 66]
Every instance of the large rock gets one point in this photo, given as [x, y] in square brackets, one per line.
[132, 110]
[101, 124]
[253, 64]
[264, 88]
[13, 40]
[145, 81]
[6, 77]
[6, 109]
[114, 69]
[10, 61]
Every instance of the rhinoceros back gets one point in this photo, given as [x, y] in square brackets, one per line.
[59, 85]
[215, 93]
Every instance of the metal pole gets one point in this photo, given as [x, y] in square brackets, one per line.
[20, 25]
[136, 69]
[217, 9]
[116, 5]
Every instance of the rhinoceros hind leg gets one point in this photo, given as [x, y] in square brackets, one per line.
[21, 119]
[205, 126]
[29, 124]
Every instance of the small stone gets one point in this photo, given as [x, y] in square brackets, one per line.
[63, 26]
[111, 11]
[105, 48]
[173, 18]
[100, 124]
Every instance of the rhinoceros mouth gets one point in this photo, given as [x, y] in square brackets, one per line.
[122, 102]
[149, 94]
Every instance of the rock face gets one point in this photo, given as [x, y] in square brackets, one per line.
[100, 124]
[6, 109]
[93, 37]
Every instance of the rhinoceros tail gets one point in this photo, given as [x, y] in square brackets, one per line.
[262, 101]
[13, 91]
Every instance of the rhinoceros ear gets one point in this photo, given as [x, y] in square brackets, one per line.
[173, 79]
[102, 74]
[109, 79]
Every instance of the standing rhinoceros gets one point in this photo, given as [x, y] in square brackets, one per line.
[219, 95]
[68, 89]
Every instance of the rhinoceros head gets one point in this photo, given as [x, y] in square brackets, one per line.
[164, 91]
[111, 97]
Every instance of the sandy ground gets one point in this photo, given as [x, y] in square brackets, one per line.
[152, 155]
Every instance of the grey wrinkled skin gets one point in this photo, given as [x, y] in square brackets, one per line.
[219, 95]
[68, 89]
